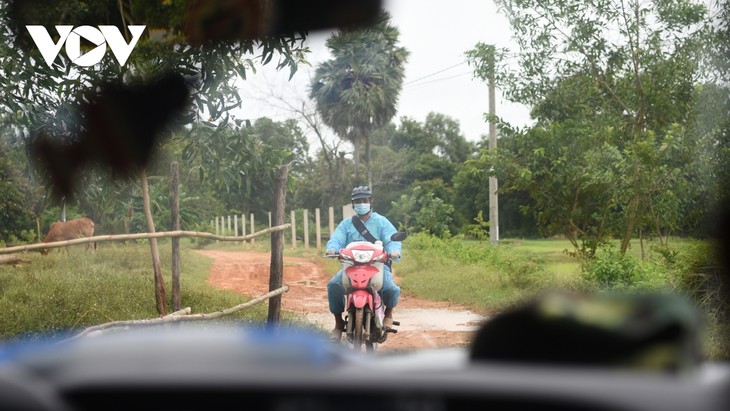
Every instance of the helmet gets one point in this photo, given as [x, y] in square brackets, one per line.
[361, 192]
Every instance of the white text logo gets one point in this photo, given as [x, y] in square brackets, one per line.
[71, 37]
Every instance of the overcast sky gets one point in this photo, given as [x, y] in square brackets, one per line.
[437, 33]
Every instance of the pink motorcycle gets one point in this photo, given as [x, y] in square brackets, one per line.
[363, 264]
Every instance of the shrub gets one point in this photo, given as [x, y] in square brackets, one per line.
[611, 269]
[698, 272]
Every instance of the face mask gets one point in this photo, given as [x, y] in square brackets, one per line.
[361, 209]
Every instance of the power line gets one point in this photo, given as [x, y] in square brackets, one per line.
[435, 73]
[438, 79]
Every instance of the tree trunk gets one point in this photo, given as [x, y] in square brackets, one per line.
[175, 206]
[356, 154]
[633, 215]
[367, 161]
[160, 297]
[276, 275]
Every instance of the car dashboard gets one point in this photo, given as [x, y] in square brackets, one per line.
[186, 369]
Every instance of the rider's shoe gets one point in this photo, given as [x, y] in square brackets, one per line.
[336, 335]
[387, 323]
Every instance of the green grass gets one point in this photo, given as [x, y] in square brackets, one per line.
[479, 276]
[64, 293]
[555, 262]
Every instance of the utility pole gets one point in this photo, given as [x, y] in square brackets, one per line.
[493, 199]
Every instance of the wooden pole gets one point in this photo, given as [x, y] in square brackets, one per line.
[332, 220]
[175, 195]
[180, 316]
[139, 236]
[13, 259]
[253, 229]
[229, 225]
[269, 219]
[160, 297]
[318, 229]
[305, 223]
[293, 230]
[235, 225]
[243, 227]
[276, 274]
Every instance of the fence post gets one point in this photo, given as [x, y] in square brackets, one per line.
[318, 230]
[217, 227]
[229, 225]
[175, 196]
[235, 225]
[253, 229]
[243, 227]
[332, 220]
[305, 222]
[293, 230]
[269, 219]
[347, 211]
[276, 274]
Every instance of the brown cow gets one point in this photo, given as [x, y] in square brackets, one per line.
[70, 230]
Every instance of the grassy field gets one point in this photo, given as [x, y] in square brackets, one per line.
[489, 279]
[484, 278]
[64, 293]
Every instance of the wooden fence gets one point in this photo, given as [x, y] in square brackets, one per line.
[138, 236]
[302, 219]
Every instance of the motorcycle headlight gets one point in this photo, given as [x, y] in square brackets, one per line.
[362, 256]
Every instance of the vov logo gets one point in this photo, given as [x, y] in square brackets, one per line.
[71, 37]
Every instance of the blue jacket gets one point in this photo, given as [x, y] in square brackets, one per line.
[380, 228]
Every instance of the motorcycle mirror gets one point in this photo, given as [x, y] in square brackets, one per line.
[399, 236]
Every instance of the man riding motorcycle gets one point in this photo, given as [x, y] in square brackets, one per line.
[377, 227]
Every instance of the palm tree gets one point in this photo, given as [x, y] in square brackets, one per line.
[356, 92]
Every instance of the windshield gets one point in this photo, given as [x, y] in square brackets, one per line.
[168, 159]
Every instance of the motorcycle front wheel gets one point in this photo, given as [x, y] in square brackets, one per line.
[357, 331]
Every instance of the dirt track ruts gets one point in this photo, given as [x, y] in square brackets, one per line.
[424, 324]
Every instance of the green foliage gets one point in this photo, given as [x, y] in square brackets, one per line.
[421, 210]
[47, 99]
[434, 216]
[611, 85]
[611, 270]
[240, 161]
[40, 92]
[16, 222]
[480, 228]
[698, 272]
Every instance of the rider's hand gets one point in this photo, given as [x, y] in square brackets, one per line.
[394, 255]
[330, 252]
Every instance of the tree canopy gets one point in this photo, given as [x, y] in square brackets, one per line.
[357, 90]
[612, 86]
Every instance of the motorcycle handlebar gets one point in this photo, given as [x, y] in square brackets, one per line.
[337, 256]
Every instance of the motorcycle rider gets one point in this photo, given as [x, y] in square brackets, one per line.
[345, 233]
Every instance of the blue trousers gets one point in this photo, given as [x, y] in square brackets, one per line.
[336, 292]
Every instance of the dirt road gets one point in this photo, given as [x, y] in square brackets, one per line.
[424, 324]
